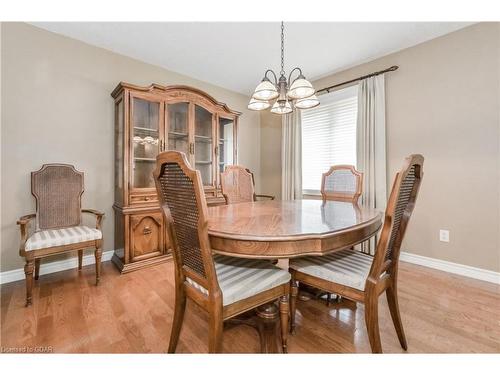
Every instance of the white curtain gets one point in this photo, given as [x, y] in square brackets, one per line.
[370, 147]
[291, 156]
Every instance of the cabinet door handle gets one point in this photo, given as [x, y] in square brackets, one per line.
[146, 230]
[191, 148]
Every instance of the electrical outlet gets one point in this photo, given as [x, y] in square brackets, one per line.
[444, 235]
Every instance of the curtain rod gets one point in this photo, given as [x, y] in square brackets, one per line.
[391, 69]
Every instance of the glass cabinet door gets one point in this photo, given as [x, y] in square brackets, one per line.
[226, 146]
[145, 139]
[203, 137]
[177, 125]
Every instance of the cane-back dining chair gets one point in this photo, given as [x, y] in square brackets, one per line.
[223, 286]
[342, 183]
[238, 185]
[361, 277]
[58, 190]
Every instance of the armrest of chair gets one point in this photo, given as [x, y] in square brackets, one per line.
[98, 214]
[23, 223]
[271, 197]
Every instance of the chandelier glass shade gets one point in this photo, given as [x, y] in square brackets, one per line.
[301, 88]
[265, 90]
[258, 105]
[282, 107]
[289, 94]
[309, 102]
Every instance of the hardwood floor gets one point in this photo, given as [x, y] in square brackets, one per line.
[132, 313]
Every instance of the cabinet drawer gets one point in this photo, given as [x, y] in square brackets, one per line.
[143, 198]
[146, 236]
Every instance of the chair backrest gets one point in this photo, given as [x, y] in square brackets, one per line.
[58, 190]
[397, 214]
[183, 202]
[237, 184]
[342, 183]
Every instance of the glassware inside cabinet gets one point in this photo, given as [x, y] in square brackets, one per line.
[145, 139]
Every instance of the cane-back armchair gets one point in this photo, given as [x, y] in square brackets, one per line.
[58, 228]
[362, 277]
[342, 183]
[221, 285]
[238, 185]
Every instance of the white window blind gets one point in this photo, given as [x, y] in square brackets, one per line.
[328, 136]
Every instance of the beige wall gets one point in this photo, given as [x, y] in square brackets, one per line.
[57, 108]
[443, 102]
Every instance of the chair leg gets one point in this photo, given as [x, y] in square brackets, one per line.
[28, 272]
[392, 300]
[284, 312]
[37, 268]
[98, 254]
[294, 291]
[80, 259]
[180, 308]
[215, 327]
[371, 320]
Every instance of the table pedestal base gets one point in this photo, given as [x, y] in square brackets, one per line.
[265, 320]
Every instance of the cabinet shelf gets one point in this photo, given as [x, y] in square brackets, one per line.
[147, 130]
[177, 135]
[203, 138]
[144, 159]
[203, 162]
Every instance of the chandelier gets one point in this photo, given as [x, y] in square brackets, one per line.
[299, 94]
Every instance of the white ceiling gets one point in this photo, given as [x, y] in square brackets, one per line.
[235, 55]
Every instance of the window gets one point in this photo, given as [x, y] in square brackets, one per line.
[328, 136]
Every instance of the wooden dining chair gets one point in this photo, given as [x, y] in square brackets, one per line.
[362, 277]
[58, 190]
[342, 183]
[221, 285]
[238, 185]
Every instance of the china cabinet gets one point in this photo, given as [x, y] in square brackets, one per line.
[149, 120]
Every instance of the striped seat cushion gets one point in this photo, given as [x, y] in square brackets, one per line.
[243, 278]
[346, 267]
[58, 237]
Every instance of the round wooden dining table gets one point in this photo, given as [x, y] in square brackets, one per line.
[277, 229]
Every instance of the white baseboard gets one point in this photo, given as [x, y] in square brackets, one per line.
[60, 265]
[459, 269]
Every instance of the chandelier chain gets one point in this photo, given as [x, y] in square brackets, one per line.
[282, 49]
